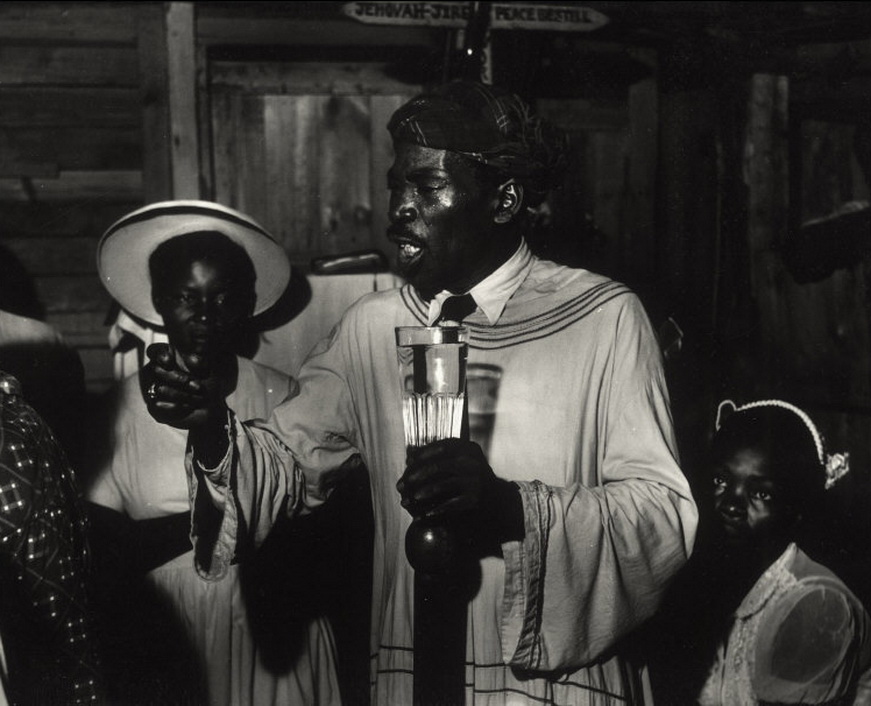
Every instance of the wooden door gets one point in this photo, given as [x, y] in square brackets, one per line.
[303, 148]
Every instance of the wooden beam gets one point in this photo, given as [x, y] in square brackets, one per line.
[204, 123]
[154, 102]
[765, 165]
[766, 175]
[69, 218]
[69, 22]
[89, 66]
[15, 163]
[121, 186]
[77, 148]
[52, 106]
[49, 256]
[307, 78]
[181, 63]
[279, 31]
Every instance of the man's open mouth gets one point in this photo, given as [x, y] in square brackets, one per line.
[409, 250]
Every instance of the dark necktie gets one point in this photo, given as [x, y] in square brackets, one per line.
[456, 308]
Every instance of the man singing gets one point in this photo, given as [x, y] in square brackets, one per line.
[581, 512]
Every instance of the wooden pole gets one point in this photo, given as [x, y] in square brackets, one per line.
[156, 160]
[440, 605]
[182, 78]
[766, 175]
[444, 572]
[167, 62]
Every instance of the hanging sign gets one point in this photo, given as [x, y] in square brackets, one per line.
[456, 14]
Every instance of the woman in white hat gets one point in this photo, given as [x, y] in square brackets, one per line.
[201, 272]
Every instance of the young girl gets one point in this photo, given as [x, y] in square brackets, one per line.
[755, 619]
[201, 271]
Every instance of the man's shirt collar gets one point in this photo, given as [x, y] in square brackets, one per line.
[493, 292]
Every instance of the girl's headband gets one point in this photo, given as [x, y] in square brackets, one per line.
[836, 465]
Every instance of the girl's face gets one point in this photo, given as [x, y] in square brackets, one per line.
[751, 507]
[203, 308]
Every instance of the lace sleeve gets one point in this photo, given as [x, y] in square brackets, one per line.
[807, 649]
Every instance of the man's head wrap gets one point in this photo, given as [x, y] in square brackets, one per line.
[491, 126]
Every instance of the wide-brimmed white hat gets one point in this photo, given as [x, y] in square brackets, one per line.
[124, 250]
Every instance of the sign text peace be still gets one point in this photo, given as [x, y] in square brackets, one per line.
[456, 14]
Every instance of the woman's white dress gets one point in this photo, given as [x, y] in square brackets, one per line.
[144, 477]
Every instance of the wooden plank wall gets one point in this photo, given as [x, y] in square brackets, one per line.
[85, 136]
[70, 154]
[753, 331]
[303, 148]
[99, 109]
[311, 179]
[603, 215]
[822, 327]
